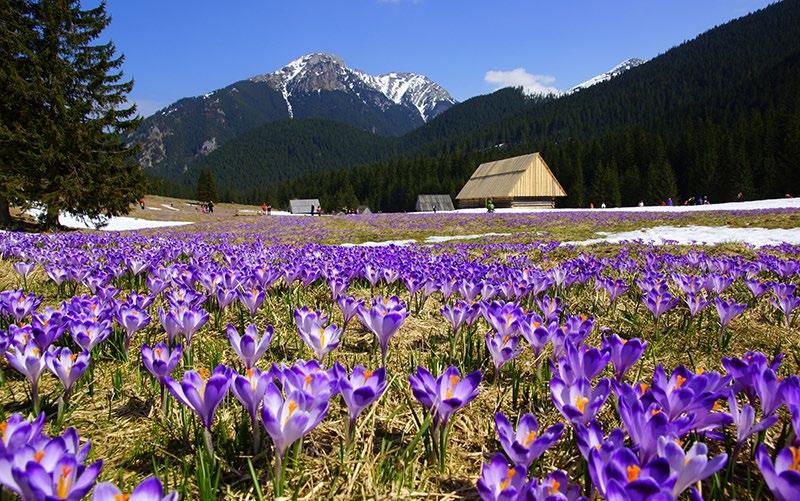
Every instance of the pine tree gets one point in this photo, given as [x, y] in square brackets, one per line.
[83, 163]
[18, 132]
[206, 187]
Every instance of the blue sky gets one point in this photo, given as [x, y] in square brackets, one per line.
[179, 48]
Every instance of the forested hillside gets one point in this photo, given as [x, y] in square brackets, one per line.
[715, 116]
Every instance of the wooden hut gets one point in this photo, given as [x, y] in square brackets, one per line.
[303, 205]
[429, 203]
[523, 181]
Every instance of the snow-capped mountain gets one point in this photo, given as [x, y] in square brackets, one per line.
[608, 75]
[318, 86]
[328, 72]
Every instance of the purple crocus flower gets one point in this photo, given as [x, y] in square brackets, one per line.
[727, 311]
[523, 445]
[551, 308]
[624, 353]
[581, 362]
[249, 347]
[786, 304]
[349, 307]
[191, 321]
[621, 476]
[444, 395]
[150, 489]
[160, 361]
[20, 305]
[790, 392]
[289, 419]
[756, 287]
[554, 487]
[744, 420]
[744, 370]
[308, 377]
[578, 402]
[503, 348]
[65, 479]
[88, 333]
[16, 431]
[504, 318]
[457, 314]
[536, 333]
[384, 319]
[591, 437]
[782, 478]
[171, 323]
[66, 366]
[690, 466]
[359, 390]
[131, 319]
[768, 389]
[249, 389]
[659, 302]
[200, 394]
[24, 269]
[47, 326]
[696, 303]
[311, 327]
[500, 482]
[29, 361]
[252, 299]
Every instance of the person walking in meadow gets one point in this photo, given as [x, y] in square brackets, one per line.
[312, 210]
[489, 206]
[263, 208]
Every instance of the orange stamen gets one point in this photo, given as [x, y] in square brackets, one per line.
[580, 403]
[633, 472]
[555, 488]
[795, 458]
[509, 476]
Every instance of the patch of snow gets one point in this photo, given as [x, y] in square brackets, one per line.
[153, 208]
[117, 223]
[385, 243]
[707, 235]
[169, 207]
[440, 239]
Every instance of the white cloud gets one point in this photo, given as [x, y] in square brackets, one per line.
[519, 77]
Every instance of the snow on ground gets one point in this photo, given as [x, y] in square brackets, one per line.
[435, 239]
[776, 203]
[385, 243]
[438, 239]
[119, 223]
[153, 208]
[708, 235]
[169, 207]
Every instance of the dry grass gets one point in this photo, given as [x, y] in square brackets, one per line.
[129, 433]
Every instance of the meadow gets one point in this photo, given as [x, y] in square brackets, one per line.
[253, 357]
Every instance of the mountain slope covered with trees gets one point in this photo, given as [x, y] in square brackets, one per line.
[716, 116]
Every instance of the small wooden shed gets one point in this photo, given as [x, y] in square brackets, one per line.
[429, 203]
[303, 205]
[523, 181]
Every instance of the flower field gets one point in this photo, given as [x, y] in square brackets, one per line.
[242, 360]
